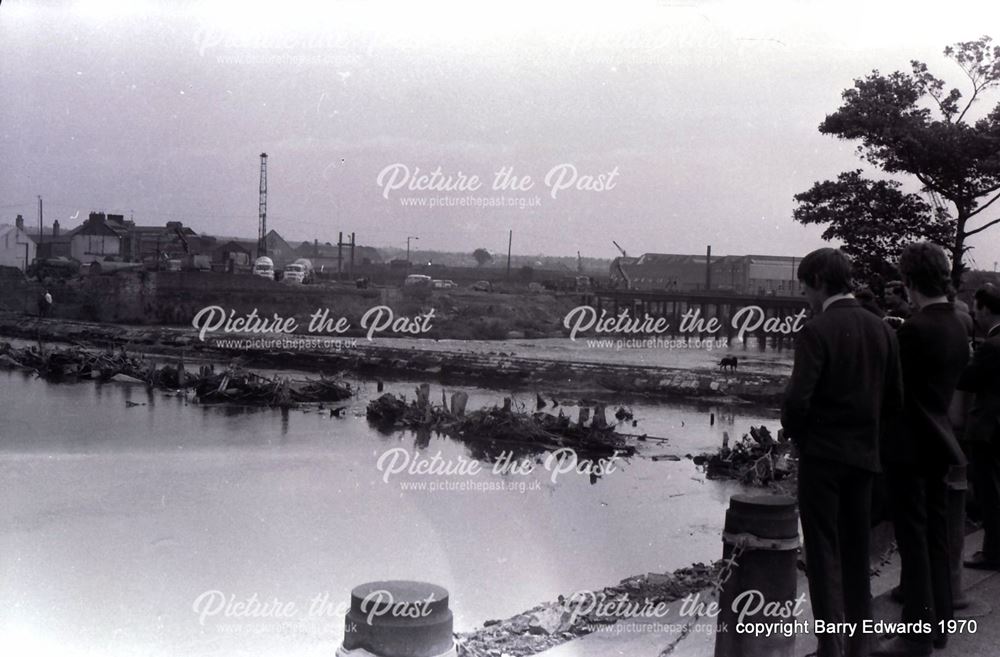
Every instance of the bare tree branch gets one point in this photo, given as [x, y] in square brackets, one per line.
[972, 98]
[987, 204]
[968, 233]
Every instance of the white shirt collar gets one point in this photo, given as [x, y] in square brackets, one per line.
[835, 298]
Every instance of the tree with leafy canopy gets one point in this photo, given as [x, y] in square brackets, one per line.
[907, 123]
[482, 256]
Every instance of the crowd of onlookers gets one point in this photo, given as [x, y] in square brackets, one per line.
[889, 398]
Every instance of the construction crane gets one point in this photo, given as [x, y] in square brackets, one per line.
[620, 268]
[262, 209]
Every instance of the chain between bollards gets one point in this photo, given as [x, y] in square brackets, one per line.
[729, 564]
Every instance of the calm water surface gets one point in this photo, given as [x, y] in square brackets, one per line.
[115, 518]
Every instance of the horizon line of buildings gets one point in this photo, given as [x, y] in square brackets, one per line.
[111, 237]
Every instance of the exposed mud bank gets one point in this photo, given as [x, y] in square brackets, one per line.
[382, 359]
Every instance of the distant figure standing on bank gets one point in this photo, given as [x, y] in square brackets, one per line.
[982, 429]
[845, 385]
[45, 304]
[933, 352]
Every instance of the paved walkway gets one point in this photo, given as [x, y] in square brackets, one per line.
[644, 637]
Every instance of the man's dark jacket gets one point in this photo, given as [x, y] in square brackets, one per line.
[845, 385]
[933, 353]
[983, 378]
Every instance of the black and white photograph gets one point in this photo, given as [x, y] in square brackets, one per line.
[346, 328]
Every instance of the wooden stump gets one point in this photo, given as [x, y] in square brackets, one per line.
[458, 401]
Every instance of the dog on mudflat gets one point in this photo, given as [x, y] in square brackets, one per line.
[730, 362]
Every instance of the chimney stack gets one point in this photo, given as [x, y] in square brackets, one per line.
[55, 228]
[19, 222]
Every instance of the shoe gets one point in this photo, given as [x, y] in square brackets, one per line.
[980, 562]
[899, 646]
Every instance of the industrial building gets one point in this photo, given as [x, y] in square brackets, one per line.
[758, 275]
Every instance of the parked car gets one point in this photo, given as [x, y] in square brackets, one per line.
[482, 286]
[417, 286]
[439, 284]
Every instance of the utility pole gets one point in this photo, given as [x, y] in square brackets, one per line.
[340, 256]
[262, 209]
[408, 238]
[340, 253]
[41, 232]
[351, 270]
[510, 240]
[708, 269]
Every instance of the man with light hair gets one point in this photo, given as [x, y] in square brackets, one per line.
[933, 352]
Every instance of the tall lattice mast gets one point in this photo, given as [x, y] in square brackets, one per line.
[262, 224]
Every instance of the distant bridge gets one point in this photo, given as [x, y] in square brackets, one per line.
[724, 306]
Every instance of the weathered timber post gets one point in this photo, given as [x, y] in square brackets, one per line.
[600, 417]
[458, 402]
[423, 392]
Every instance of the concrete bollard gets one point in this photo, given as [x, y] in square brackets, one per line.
[398, 619]
[764, 578]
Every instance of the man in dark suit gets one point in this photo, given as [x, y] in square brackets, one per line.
[897, 303]
[982, 429]
[933, 352]
[845, 384]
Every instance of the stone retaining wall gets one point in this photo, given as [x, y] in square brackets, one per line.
[382, 360]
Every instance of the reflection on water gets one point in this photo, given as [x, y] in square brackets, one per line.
[121, 505]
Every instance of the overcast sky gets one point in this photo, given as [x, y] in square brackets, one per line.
[701, 115]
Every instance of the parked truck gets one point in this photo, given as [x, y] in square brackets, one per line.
[300, 271]
[263, 267]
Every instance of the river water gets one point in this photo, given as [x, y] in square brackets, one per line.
[127, 513]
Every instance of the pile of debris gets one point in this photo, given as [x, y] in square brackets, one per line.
[567, 618]
[231, 386]
[68, 365]
[590, 434]
[757, 459]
